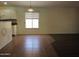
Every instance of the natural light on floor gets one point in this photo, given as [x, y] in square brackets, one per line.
[32, 43]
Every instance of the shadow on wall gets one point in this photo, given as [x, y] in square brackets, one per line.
[77, 20]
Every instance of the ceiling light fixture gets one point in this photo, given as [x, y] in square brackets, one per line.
[5, 3]
[30, 8]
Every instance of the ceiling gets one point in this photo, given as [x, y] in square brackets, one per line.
[43, 3]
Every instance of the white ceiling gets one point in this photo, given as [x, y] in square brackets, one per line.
[43, 3]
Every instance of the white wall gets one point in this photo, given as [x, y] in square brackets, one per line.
[7, 13]
[63, 20]
[52, 20]
[55, 20]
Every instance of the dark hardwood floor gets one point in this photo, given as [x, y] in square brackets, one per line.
[66, 45]
[30, 46]
[55, 45]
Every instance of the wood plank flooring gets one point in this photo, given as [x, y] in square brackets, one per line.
[66, 45]
[30, 46]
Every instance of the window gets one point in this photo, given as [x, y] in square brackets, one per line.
[31, 20]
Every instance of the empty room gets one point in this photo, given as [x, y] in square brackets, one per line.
[39, 29]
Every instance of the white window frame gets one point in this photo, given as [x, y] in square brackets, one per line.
[32, 18]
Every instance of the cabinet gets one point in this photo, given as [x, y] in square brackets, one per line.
[13, 24]
[5, 33]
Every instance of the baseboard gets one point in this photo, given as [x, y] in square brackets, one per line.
[33, 34]
[64, 33]
[49, 33]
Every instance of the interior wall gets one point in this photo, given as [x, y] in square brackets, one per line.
[7, 12]
[55, 20]
[64, 20]
[44, 27]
